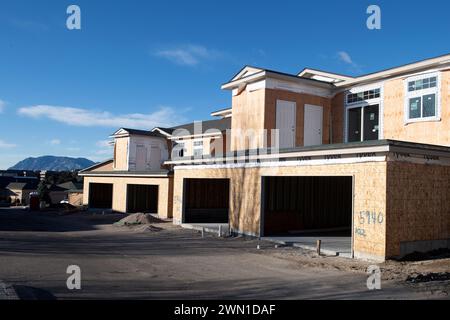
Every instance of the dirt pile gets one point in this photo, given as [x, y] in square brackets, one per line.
[137, 219]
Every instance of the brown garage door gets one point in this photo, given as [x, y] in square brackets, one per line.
[142, 198]
[306, 203]
[206, 200]
[100, 195]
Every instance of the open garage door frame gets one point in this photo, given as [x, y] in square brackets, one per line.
[100, 195]
[206, 200]
[303, 203]
[142, 198]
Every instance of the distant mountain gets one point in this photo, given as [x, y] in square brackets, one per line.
[53, 163]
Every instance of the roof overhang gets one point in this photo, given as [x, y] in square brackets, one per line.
[438, 62]
[161, 131]
[324, 76]
[224, 113]
[327, 154]
[125, 174]
[265, 74]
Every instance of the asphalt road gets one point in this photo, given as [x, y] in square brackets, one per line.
[173, 263]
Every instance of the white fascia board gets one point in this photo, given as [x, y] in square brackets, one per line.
[112, 174]
[279, 164]
[390, 73]
[298, 87]
[206, 135]
[299, 154]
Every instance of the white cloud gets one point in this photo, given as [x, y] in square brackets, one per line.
[105, 147]
[345, 57]
[2, 105]
[104, 144]
[4, 144]
[188, 55]
[55, 142]
[103, 152]
[165, 116]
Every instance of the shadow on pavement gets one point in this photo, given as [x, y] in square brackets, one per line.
[30, 293]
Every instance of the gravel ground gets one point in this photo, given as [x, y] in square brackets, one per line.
[163, 261]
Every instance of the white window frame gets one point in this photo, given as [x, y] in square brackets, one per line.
[183, 148]
[376, 101]
[199, 147]
[420, 93]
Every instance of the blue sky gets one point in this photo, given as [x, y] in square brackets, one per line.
[147, 63]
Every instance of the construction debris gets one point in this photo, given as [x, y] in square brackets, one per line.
[429, 277]
[137, 219]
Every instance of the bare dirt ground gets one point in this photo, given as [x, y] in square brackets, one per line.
[163, 261]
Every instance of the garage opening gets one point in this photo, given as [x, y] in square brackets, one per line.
[206, 200]
[296, 205]
[100, 195]
[142, 198]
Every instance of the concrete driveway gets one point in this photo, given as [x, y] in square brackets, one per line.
[165, 263]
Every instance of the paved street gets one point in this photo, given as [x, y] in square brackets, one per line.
[165, 263]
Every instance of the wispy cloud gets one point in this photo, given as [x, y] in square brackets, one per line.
[345, 57]
[188, 55]
[103, 144]
[165, 116]
[5, 145]
[2, 105]
[55, 142]
[105, 148]
[28, 25]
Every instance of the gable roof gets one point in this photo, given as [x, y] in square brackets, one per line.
[188, 129]
[250, 74]
[435, 62]
[70, 185]
[127, 131]
[241, 79]
[22, 186]
[209, 125]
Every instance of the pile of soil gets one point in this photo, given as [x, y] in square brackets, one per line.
[137, 219]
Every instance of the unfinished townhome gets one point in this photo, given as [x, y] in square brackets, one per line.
[136, 179]
[363, 162]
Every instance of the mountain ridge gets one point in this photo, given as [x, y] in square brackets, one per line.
[52, 163]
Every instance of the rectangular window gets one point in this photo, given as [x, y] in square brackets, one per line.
[422, 98]
[363, 96]
[198, 148]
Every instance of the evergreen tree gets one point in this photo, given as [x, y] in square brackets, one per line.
[43, 192]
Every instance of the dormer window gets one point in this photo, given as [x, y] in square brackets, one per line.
[422, 98]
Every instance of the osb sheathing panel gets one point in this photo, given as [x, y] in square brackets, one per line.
[432, 132]
[337, 118]
[121, 154]
[248, 114]
[165, 195]
[272, 95]
[245, 197]
[418, 204]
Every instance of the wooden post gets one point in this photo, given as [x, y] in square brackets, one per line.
[319, 243]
